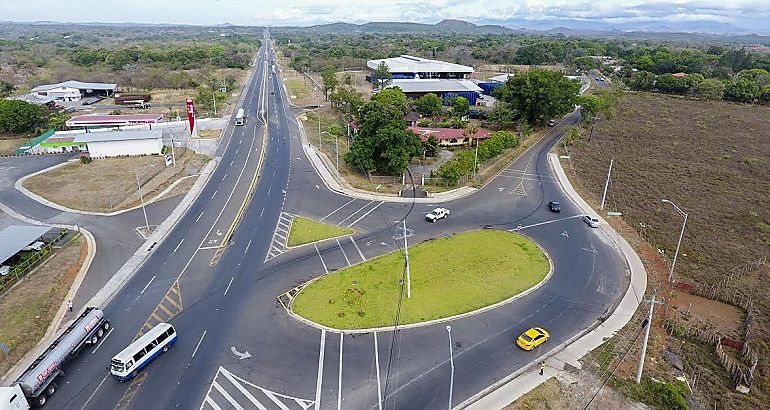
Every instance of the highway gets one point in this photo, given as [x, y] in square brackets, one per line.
[220, 290]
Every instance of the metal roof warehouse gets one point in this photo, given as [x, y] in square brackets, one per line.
[95, 120]
[17, 237]
[444, 88]
[407, 66]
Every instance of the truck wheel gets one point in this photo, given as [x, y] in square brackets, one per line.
[41, 400]
[100, 333]
[165, 349]
[94, 339]
[51, 389]
[106, 326]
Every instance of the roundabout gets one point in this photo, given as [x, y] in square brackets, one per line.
[451, 277]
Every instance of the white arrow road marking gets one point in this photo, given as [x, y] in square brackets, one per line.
[241, 356]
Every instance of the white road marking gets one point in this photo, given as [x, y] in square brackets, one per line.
[227, 396]
[269, 189]
[339, 382]
[335, 211]
[321, 257]
[245, 392]
[548, 222]
[223, 177]
[211, 403]
[177, 247]
[215, 194]
[261, 212]
[355, 213]
[236, 151]
[103, 339]
[358, 249]
[199, 217]
[97, 389]
[366, 214]
[319, 380]
[231, 162]
[203, 248]
[228, 286]
[247, 246]
[377, 364]
[343, 253]
[198, 345]
[147, 285]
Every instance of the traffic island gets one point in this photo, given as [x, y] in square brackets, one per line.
[450, 276]
[304, 231]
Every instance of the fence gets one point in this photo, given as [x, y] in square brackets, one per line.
[33, 259]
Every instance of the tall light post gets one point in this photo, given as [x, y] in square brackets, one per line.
[452, 364]
[141, 198]
[679, 242]
[406, 260]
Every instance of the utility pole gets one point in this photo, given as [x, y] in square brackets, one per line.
[141, 198]
[475, 161]
[337, 152]
[679, 242]
[606, 184]
[406, 260]
[319, 131]
[646, 338]
[173, 156]
[452, 364]
[593, 122]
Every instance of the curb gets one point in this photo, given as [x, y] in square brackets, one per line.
[510, 388]
[429, 322]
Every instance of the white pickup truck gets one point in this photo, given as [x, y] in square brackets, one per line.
[436, 214]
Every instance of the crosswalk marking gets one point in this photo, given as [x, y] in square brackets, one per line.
[278, 245]
[229, 391]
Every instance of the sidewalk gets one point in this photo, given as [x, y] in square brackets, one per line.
[509, 389]
[335, 182]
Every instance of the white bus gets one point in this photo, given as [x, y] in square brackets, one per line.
[127, 364]
[240, 117]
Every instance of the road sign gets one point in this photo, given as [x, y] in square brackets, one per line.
[613, 213]
[563, 156]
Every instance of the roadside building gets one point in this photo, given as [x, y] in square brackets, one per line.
[407, 67]
[502, 78]
[412, 118]
[449, 137]
[74, 90]
[19, 238]
[113, 121]
[121, 143]
[33, 98]
[446, 89]
[60, 142]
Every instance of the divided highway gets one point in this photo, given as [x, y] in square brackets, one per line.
[223, 300]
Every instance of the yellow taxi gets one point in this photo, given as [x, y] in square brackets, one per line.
[532, 338]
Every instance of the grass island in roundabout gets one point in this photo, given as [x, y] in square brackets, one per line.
[450, 276]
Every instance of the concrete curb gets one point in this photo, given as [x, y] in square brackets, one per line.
[430, 322]
[524, 380]
[19, 185]
[332, 182]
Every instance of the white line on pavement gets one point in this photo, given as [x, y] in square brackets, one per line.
[339, 382]
[335, 211]
[377, 364]
[211, 402]
[103, 339]
[147, 285]
[94, 393]
[366, 214]
[361, 254]
[548, 222]
[199, 217]
[227, 395]
[228, 286]
[198, 345]
[343, 253]
[177, 247]
[215, 194]
[223, 177]
[321, 257]
[319, 380]
[247, 246]
[356, 212]
[203, 248]
[269, 189]
[231, 162]
[261, 212]
[245, 392]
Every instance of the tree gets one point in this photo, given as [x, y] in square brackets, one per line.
[346, 100]
[709, 89]
[19, 116]
[460, 106]
[329, 77]
[757, 75]
[429, 104]
[6, 88]
[525, 130]
[393, 97]
[538, 95]
[585, 63]
[669, 84]
[382, 75]
[744, 90]
[764, 94]
[643, 81]
[430, 147]
[501, 116]
[383, 142]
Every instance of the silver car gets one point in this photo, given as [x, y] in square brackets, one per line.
[592, 221]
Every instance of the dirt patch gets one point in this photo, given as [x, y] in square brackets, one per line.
[28, 309]
[701, 312]
[110, 184]
[209, 134]
[710, 158]
[574, 392]
[8, 146]
[302, 91]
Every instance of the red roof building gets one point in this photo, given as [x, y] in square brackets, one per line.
[679, 75]
[449, 136]
[113, 120]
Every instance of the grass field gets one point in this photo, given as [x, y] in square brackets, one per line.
[28, 309]
[304, 231]
[713, 160]
[449, 276]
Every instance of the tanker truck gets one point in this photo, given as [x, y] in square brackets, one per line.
[38, 382]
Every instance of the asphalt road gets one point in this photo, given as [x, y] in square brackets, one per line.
[231, 306]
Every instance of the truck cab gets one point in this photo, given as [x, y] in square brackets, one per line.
[12, 398]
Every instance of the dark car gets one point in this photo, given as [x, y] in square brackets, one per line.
[554, 206]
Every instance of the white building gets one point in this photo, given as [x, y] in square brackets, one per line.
[122, 143]
[407, 66]
[74, 90]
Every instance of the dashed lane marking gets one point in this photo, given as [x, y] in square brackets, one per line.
[365, 215]
[361, 254]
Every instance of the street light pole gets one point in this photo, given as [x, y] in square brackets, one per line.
[141, 198]
[606, 184]
[337, 152]
[406, 259]
[475, 161]
[646, 339]
[452, 364]
[679, 242]
[214, 100]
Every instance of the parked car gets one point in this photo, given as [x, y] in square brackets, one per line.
[436, 214]
[35, 246]
[554, 206]
[551, 123]
[592, 221]
[4, 270]
[532, 338]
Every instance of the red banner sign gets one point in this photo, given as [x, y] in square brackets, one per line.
[191, 115]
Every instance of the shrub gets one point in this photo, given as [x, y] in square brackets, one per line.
[85, 159]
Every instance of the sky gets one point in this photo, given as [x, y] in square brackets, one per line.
[744, 15]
